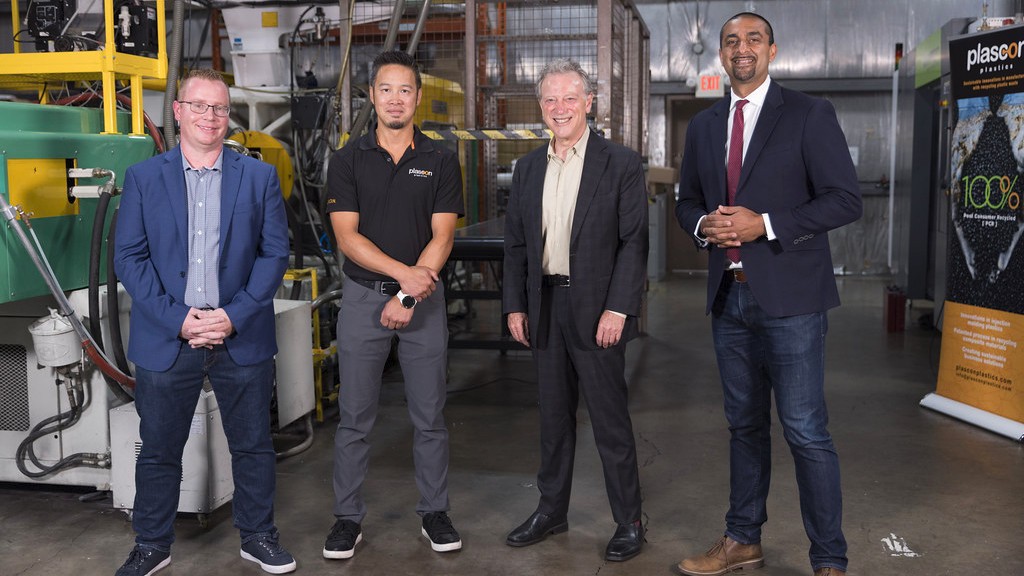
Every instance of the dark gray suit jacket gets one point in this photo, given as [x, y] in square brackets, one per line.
[608, 246]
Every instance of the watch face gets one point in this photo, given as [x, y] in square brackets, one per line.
[408, 302]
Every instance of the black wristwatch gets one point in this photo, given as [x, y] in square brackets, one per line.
[406, 300]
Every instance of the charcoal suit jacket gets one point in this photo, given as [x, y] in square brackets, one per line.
[608, 243]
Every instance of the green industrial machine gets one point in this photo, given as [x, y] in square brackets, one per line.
[38, 145]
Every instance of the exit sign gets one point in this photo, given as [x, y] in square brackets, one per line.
[710, 86]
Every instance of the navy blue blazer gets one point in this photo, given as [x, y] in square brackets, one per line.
[608, 241]
[151, 256]
[798, 170]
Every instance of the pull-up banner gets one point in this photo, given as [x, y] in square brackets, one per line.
[982, 362]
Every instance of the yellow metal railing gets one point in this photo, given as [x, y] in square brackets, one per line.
[319, 354]
[108, 65]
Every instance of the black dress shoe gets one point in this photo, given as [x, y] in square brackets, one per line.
[536, 528]
[626, 542]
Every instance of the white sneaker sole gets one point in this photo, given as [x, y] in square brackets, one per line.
[282, 569]
[160, 566]
[343, 554]
[441, 547]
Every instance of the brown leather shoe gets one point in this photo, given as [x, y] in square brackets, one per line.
[725, 556]
[829, 571]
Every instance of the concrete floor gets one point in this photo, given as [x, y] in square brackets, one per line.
[924, 494]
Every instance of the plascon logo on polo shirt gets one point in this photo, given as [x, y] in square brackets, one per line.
[420, 173]
[993, 54]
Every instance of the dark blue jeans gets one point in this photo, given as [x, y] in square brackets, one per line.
[758, 355]
[166, 402]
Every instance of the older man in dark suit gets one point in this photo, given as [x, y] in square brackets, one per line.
[575, 265]
[764, 209]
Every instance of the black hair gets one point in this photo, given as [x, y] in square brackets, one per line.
[771, 33]
[395, 57]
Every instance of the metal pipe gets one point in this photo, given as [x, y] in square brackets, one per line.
[10, 214]
[421, 23]
[306, 443]
[364, 113]
[174, 64]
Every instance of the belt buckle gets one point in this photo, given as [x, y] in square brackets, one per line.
[738, 275]
[386, 284]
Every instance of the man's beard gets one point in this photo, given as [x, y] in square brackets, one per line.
[744, 75]
[396, 124]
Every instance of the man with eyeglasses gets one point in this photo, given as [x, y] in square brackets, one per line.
[201, 247]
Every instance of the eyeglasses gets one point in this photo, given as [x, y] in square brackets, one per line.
[201, 108]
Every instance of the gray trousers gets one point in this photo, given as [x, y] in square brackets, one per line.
[363, 348]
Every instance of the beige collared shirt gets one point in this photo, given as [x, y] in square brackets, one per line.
[561, 187]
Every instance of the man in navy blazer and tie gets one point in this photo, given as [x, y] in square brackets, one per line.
[574, 273]
[766, 173]
[201, 247]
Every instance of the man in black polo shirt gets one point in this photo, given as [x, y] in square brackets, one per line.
[394, 197]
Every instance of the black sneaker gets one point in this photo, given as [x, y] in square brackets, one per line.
[144, 561]
[264, 550]
[341, 542]
[437, 527]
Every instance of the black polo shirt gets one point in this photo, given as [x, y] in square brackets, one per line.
[395, 202]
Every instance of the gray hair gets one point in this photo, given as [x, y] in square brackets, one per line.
[564, 66]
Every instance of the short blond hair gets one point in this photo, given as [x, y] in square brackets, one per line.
[202, 74]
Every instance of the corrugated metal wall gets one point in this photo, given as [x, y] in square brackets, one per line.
[816, 38]
[836, 43]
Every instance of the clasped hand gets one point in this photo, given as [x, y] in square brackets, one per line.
[418, 282]
[206, 328]
[731, 226]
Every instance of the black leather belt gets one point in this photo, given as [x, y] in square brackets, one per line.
[385, 287]
[557, 280]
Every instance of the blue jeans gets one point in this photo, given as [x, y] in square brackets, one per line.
[759, 354]
[166, 402]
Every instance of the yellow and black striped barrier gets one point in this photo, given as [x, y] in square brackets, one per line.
[455, 135]
[488, 134]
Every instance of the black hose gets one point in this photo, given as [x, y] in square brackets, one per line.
[64, 421]
[95, 249]
[325, 298]
[295, 223]
[113, 304]
[94, 261]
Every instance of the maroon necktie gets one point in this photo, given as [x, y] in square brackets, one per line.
[735, 163]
